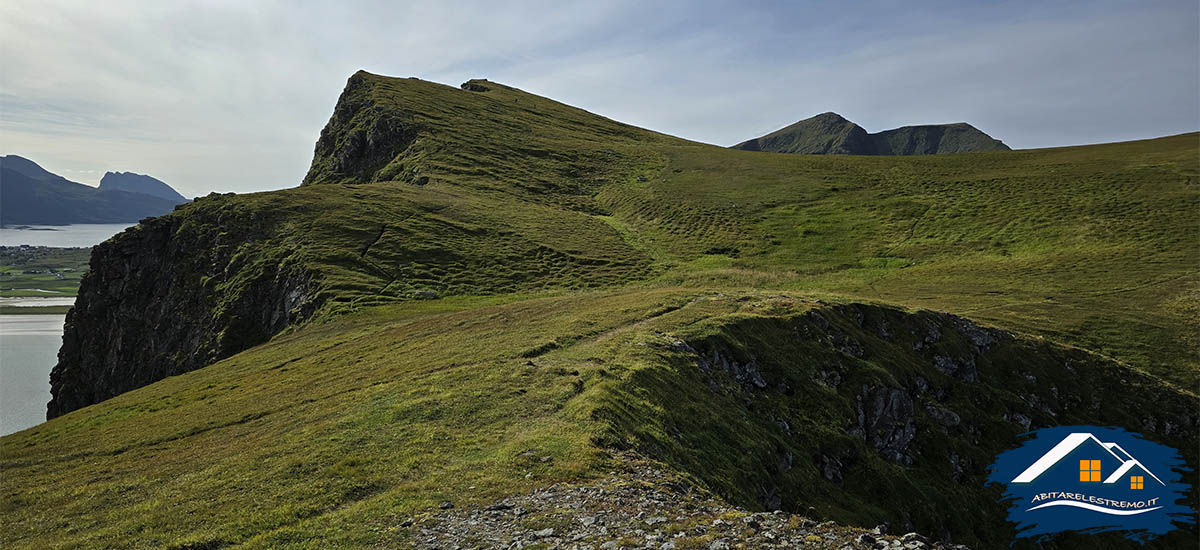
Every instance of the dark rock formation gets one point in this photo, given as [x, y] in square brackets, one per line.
[364, 140]
[877, 390]
[745, 374]
[167, 297]
[475, 86]
[885, 420]
[830, 134]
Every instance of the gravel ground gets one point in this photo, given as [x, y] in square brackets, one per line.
[636, 506]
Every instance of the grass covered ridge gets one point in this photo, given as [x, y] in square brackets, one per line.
[1094, 246]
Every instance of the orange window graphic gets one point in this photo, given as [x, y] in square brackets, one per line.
[1089, 470]
[1135, 482]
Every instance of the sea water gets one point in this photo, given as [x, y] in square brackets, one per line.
[28, 350]
[63, 236]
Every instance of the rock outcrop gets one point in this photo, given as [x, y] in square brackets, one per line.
[831, 134]
[874, 404]
[174, 294]
[365, 140]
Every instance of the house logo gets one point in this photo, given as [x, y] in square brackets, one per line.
[1092, 479]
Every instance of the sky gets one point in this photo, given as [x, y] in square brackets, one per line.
[231, 96]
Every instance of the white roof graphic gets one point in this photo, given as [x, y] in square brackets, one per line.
[1069, 444]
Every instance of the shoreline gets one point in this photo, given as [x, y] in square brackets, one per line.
[34, 310]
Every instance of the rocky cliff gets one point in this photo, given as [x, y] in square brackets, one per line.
[363, 137]
[173, 294]
[866, 412]
[831, 134]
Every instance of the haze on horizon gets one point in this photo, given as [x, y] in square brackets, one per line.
[231, 96]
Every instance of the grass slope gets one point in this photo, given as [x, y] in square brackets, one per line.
[1094, 246]
[330, 436]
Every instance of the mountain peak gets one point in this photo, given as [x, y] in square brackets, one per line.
[828, 115]
[139, 183]
[830, 133]
[24, 166]
[823, 134]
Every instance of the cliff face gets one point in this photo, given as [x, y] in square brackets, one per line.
[830, 134]
[786, 408]
[363, 137]
[173, 294]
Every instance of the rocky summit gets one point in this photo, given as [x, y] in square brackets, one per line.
[830, 134]
[487, 319]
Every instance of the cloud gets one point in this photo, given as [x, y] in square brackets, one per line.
[231, 96]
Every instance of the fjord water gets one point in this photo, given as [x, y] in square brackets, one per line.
[28, 350]
[29, 342]
[64, 236]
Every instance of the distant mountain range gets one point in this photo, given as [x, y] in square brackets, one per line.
[29, 194]
[831, 134]
[138, 183]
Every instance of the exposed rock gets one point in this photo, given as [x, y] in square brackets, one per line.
[160, 300]
[783, 461]
[784, 427]
[964, 370]
[926, 332]
[983, 339]
[361, 138]
[474, 86]
[747, 374]
[885, 420]
[639, 503]
[847, 345]
[1020, 419]
[831, 467]
[943, 416]
[830, 377]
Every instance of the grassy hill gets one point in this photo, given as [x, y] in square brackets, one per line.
[496, 289]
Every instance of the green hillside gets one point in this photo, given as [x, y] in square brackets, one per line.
[493, 290]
